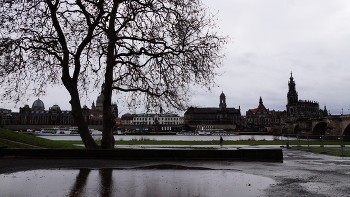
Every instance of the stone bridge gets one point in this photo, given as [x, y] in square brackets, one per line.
[329, 125]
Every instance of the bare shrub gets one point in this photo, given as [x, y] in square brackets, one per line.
[276, 138]
[252, 138]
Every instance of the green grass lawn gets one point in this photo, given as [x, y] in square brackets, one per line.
[28, 140]
[7, 137]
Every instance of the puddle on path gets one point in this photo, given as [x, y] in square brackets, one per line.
[145, 181]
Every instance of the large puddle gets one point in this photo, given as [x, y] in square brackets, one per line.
[146, 181]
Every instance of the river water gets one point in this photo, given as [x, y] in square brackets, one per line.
[176, 137]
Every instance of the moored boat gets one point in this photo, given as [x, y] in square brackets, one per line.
[204, 133]
[186, 133]
[56, 131]
[52, 131]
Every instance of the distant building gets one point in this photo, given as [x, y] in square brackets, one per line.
[261, 118]
[5, 116]
[213, 118]
[156, 122]
[126, 119]
[156, 119]
[97, 110]
[258, 117]
[301, 108]
[37, 115]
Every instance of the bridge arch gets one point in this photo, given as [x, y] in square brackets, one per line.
[319, 129]
[347, 133]
[296, 129]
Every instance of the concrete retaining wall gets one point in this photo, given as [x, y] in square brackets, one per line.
[275, 155]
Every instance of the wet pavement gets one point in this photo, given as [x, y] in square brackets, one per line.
[300, 174]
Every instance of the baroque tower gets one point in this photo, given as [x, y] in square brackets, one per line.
[292, 95]
[222, 105]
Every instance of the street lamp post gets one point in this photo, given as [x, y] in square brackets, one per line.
[308, 143]
[322, 144]
[282, 132]
[342, 146]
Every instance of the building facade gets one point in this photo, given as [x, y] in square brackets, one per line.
[262, 119]
[37, 115]
[156, 119]
[213, 118]
[126, 119]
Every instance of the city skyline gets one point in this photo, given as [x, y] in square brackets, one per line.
[269, 39]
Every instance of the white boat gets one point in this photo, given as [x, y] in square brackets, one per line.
[73, 131]
[204, 133]
[95, 132]
[118, 132]
[186, 133]
[52, 131]
[56, 131]
[224, 134]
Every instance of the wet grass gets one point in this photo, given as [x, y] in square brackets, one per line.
[9, 144]
[337, 151]
[12, 139]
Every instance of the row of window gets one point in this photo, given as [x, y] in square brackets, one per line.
[135, 119]
[151, 123]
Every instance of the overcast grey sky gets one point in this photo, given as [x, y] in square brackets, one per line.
[269, 39]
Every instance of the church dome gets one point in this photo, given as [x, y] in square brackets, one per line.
[38, 104]
[99, 100]
[55, 107]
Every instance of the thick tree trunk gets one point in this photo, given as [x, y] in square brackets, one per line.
[108, 118]
[83, 127]
[108, 140]
[77, 113]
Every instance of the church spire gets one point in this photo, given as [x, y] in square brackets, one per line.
[291, 76]
[292, 95]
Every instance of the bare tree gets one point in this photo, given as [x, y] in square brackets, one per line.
[156, 50]
[152, 50]
[42, 43]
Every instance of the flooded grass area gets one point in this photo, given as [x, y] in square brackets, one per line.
[338, 151]
[159, 180]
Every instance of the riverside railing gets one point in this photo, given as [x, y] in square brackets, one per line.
[324, 144]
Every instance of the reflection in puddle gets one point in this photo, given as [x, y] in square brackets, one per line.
[133, 182]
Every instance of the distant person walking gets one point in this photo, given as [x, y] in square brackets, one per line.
[221, 140]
